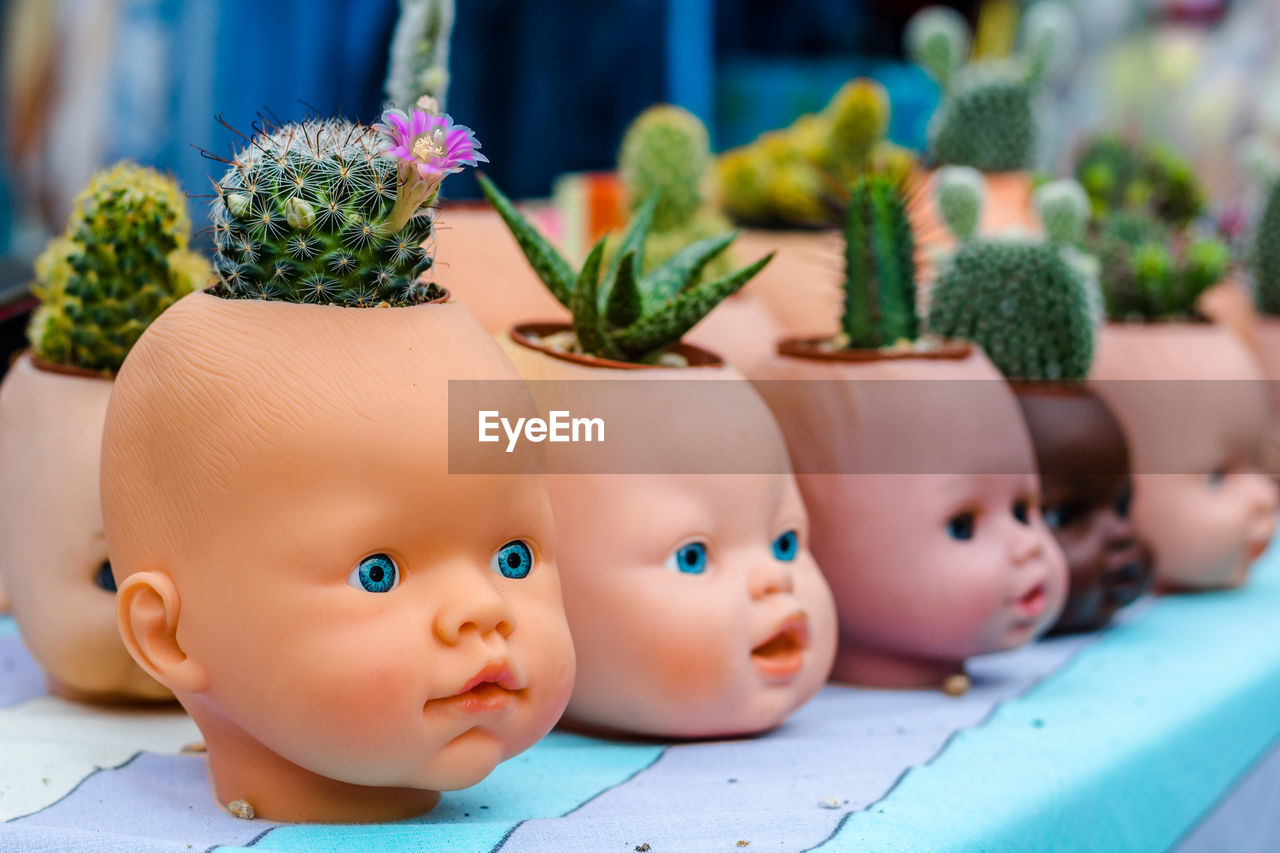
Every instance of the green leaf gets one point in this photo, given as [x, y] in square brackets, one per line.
[625, 303]
[586, 312]
[666, 325]
[633, 240]
[681, 270]
[548, 263]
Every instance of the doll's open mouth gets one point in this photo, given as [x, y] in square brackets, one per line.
[493, 688]
[781, 657]
[1032, 602]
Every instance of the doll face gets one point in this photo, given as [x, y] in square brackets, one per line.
[389, 624]
[1086, 500]
[695, 605]
[970, 568]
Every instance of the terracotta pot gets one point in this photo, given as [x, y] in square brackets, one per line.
[741, 328]
[298, 566]
[1196, 424]
[1085, 498]
[915, 472]
[52, 550]
[667, 651]
[801, 286]
[1268, 342]
[1229, 303]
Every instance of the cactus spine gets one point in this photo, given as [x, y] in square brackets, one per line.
[122, 261]
[880, 274]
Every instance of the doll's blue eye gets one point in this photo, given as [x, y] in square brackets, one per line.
[1217, 477]
[1022, 510]
[960, 527]
[513, 560]
[690, 559]
[375, 574]
[103, 578]
[786, 546]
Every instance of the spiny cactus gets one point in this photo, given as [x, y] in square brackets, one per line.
[858, 116]
[1122, 175]
[1266, 252]
[625, 315]
[332, 212]
[666, 155]
[880, 272]
[122, 260]
[1020, 299]
[986, 118]
[1151, 271]
[419, 63]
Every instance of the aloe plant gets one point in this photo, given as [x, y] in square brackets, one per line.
[622, 314]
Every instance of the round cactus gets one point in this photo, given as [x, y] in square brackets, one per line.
[1121, 175]
[1266, 253]
[122, 261]
[1147, 274]
[960, 192]
[985, 120]
[938, 39]
[1063, 208]
[666, 152]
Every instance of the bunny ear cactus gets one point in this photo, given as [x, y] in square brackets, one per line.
[986, 118]
[1266, 252]
[622, 314]
[880, 272]
[122, 261]
[332, 212]
[1020, 299]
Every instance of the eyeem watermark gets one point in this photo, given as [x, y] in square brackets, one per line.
[560, 426]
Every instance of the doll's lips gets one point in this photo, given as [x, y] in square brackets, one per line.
[493, 688]
[1032, 602]
[781, 657]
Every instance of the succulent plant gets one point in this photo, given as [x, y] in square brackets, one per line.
[858, 119]
[623, 314]
[1021, 299]
[666, 155]
[1266, 252]
[880, 271]
[1122, 175]
[333, 212]
[418, 66]
[1153, 271]
[986, 118]
[122, 260]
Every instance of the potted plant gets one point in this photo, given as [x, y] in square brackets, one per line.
[1027, 304]
[1196, 431]
[122, 260]
[988, 115]
[352, 628]
[696, 608]
[918, 473]
[1264, 261]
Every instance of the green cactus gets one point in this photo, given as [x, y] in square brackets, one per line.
[1120, 175]
[880, 271]
[986, 118]
[1152, 271]
[303, 214]
[122, 260]
[623, 314]
[1021, 299]
[858, 118]
[1266, 253]
[418, 65]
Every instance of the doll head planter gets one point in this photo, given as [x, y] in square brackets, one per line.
[1027, 303]
[930, 538]
[695, 605]
[122, 260]
[352, 628]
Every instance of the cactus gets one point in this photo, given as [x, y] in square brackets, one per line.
[1022, 300]
[1120, 175]
[623, 314]
[880, 272]
[1266, 253]
[122, 260]
[419, 63]
[858, 119]
[986, 118]
[1152, 271]
[323, 211]
[666, 154]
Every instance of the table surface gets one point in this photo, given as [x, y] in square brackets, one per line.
[1156, 733]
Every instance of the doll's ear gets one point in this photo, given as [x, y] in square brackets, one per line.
[147, 609]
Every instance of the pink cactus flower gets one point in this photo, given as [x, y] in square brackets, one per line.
[432, 144]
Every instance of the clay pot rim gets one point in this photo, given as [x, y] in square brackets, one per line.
[64, 369]
[1073, 388]
[813, 349]
[696, 356]
[445, 296]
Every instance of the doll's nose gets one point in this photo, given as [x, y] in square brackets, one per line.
[1025, 543]
[770, 577]
[474, 606]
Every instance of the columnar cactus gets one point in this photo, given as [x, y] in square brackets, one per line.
[1151, 271]
[1018, 298]
[1121, 175]
[122, 260]
[419, 61]
[626, 315]
[666, 155]
[880, 272]
[332, 212]
[986, 118]
[1266, 252]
